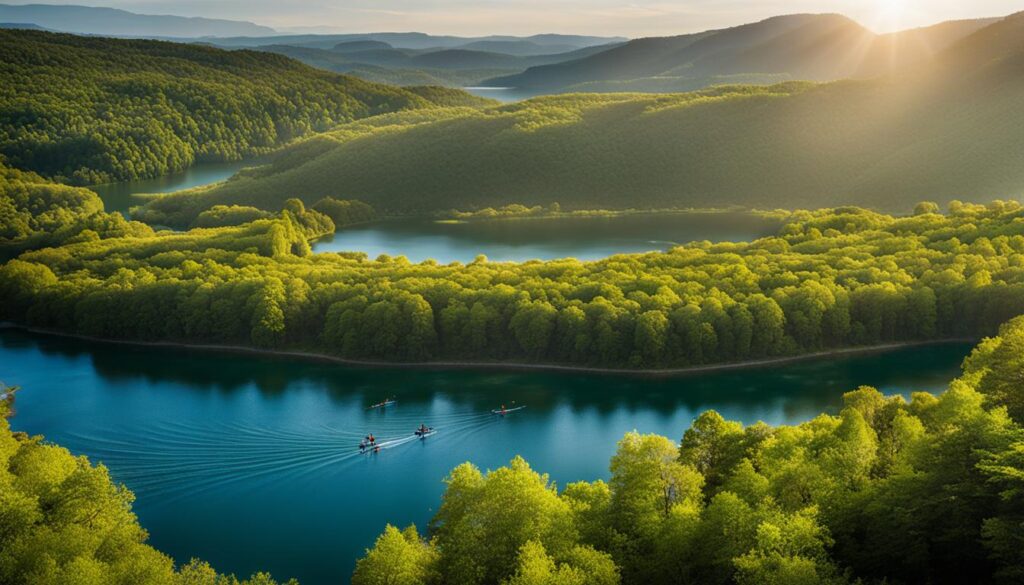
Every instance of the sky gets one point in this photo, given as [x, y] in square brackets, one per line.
[521, 17]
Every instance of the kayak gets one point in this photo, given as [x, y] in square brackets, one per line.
[507, 410]
[384, 404]
[377, 446]
[425, 434]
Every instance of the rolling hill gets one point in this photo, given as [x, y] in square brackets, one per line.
[951, 130]
[113, 22]
[820, 47]
[92, 109]
[357, 46]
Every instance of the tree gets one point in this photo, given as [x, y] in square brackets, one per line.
[647, 481]
[485, 520]
[712, 446]
[995, 367]
[398, 557]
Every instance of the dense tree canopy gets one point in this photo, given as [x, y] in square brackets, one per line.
[91, 110]
[829, 279]
[32, 206]
[885, 491]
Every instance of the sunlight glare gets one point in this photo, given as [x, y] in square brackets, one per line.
[890, 15]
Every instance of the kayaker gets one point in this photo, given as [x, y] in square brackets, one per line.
[373, 440]
[423, 429]
[362, 445]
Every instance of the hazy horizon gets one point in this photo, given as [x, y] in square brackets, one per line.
[518, 17]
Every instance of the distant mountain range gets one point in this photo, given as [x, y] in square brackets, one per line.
[241, 34]
[400, 58]
[520, 46]
[21, 26]
[379, 61]
[818, 47]
[112, 22]
[948, 128]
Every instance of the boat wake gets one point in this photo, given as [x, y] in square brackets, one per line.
[176, 459]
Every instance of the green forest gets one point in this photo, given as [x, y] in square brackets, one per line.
[89, 110]
[829, 279]
[929, 490]
[884, 143]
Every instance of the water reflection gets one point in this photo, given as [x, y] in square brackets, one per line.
[584, 238]
[802, 388]
[120, 196]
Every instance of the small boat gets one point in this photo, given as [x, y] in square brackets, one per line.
[376, 446]
[504, 411]
[385, 404]
[425, 433]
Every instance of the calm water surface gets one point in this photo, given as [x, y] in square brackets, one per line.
[118, 196]
[585, 238]
[251, 463]
[503, 94]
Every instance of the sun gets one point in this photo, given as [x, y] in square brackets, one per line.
[890, 15]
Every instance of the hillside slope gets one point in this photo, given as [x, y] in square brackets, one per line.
[896, 51]
[819, 47]
[90, 109]
[953, 131]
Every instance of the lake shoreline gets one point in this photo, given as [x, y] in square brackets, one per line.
[499, 366]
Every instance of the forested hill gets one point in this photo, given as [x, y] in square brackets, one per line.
[89, 109]
[819, 47]
[951, 131]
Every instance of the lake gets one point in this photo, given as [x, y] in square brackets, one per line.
[252, 462]
[503, 94]
[584, 238]
[118, 196]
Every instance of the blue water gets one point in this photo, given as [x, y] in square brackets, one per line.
[503, 94]
[252, 463]
[583, 238]
[121, 196]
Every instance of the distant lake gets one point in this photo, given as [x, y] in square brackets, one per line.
[251, 462]
[118, 196]
[584, 238]
[503, 94]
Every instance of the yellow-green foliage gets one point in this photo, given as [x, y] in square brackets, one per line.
[885, 491]
[90, 109]
[229, 215]
[829, 279]
[31, 205]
